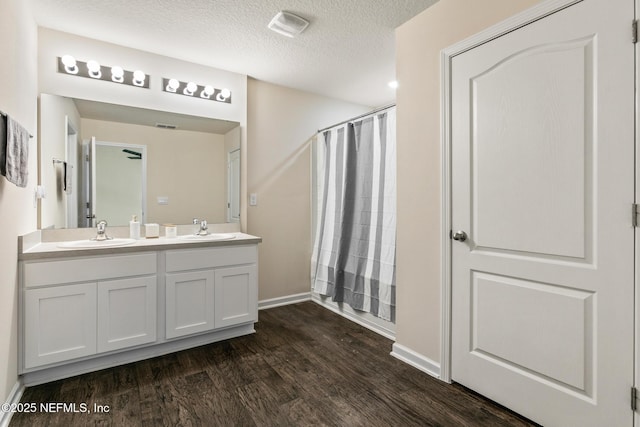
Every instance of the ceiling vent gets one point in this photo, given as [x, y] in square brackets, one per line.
[288, 24]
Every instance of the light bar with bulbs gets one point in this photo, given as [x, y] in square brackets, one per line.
[67, 64]
[196, 91]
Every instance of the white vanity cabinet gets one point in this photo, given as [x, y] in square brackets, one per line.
[76, 307]
[88, 310]
[210, 288]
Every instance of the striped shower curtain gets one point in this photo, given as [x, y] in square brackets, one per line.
[354, 251]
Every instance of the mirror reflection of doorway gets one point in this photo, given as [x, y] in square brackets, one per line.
[115, 183]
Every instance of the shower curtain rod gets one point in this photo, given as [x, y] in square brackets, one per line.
[377, 110]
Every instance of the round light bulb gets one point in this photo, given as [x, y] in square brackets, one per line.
[207, 91]
[69, 63]
[117, 74]
[173, 85]
[94, 69]
[191, 87]
[225, 93]
[139, 77]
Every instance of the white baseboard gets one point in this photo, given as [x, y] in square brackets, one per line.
[65, 370]
[373, 324]
[416, 360]
[13, 399]
[289, 299]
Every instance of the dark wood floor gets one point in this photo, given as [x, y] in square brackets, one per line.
[304, 366]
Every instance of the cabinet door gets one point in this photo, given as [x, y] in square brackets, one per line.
[189, 303]
[60, 323]
[126, 313]
[236, 295]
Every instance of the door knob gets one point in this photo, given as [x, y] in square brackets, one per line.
[460, 236]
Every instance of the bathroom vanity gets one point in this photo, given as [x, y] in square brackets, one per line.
[88, 309]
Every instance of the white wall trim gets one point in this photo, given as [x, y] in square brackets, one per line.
[416, 360]
[37, 376]
[286, 300]
[519, 20]
[354, 317]
[13, 399]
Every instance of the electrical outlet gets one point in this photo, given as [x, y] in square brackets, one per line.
[253, 199]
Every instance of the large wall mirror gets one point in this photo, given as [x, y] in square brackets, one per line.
[104, 161]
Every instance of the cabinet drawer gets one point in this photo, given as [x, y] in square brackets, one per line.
[195, 259]
[42, 273]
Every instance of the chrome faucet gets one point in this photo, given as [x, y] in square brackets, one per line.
[204, 228]
[102, 231]
[200, 227]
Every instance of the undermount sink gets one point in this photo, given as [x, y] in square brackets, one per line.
[92, 244]
[208, 237]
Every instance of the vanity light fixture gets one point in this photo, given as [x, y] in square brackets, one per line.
[195, 90]
[67, 64]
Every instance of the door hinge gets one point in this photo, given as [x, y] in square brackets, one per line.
[634, 399]
[634, 214]
[634, 31]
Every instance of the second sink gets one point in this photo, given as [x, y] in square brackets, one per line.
[208, 237]
[92, 244]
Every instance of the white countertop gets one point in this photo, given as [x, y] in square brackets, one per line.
[43, 250]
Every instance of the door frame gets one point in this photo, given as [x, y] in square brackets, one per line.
[143, 149]
[517, 21]
[636, 311]
[230, 192]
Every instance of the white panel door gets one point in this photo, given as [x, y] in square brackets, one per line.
[189, 303]
[236, 295]
[126, 313]
[60, 323]
[542, 146]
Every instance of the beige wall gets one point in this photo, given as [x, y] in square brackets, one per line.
[418, 46]
[281, 122]
[18, 98]
[188, 167]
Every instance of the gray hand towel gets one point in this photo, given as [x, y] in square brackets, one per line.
[68, 177]
[3, 145]
[17, 152]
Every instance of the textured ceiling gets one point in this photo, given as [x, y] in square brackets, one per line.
[347, 52]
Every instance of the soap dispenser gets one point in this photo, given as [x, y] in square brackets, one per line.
[134, 228]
